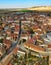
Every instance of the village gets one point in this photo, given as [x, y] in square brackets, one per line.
[25, 39]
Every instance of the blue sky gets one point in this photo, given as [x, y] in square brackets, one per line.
[23, 3]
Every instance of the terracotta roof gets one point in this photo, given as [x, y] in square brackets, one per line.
[0, 28]
[49, 45]
[10, 64]
[34, 47]
[49, 27]
[30, 41]
[16, 27]
[8, 31]
[39, 32]
[15, 50]
[14, 35]
[7, 41]
[35, 27]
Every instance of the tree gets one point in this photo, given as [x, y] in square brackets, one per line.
[31, 31]
[24, 40]
[1, 40]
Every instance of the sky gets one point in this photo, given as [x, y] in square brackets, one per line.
[23, 3]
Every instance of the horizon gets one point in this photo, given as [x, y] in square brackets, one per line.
[6, 4]
[24, 8]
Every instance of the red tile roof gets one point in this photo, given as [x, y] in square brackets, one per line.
[15, 50]
[49, 45]
[0, 28]
[34, 47]
[35, 27]
[13, 35]
[16, 28]
[10, 64]
[7, 43]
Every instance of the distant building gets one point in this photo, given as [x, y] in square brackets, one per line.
[49, 36]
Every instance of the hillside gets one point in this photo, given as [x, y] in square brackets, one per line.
[41, 8]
